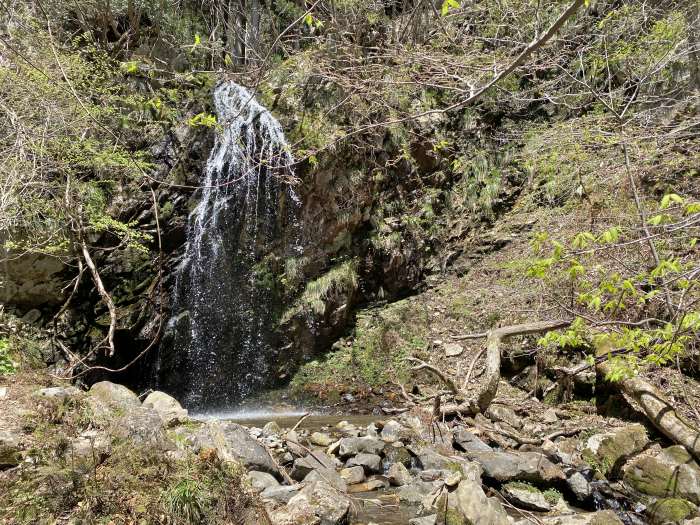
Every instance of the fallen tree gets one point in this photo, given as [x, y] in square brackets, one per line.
[658, 410]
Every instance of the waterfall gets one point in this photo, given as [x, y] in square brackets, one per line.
[225, 299]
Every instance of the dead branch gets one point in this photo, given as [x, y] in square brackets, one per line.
[105, 297]
[422, 365]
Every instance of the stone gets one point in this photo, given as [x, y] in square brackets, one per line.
[233, 443]
[399, 475]
[280, 493]
[292, 442]
[468, 442]
[353, 475]
[261, 480]
[525, 497]
[471, 502]
[3, 392]
[550, 416]
[271, 428]
[10, 451]
[370, 462]
[167, 407]
[417, 490]
[140, 425]
[320, 439]
[58, 393]
[504, 414]
[607, 452]
[87, 451]
[424, 520]
[579, 486]
[394, 454]
[523, 466]
[358, 445]
[453, 349]
[605, 517]
[672, 473]
[671, 510]
[302, 466]
[327, 475]
[391, 432]
[369, 485]
[317, 503]
[429, 459]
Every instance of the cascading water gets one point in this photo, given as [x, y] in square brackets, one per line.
[225, 302]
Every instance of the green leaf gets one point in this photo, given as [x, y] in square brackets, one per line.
[447, 5]
[669, 198]
[197, 40]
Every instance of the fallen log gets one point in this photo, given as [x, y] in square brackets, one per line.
[658, 410]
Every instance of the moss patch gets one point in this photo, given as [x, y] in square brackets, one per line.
[671, 510]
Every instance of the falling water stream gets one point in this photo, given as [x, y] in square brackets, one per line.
[225, 303]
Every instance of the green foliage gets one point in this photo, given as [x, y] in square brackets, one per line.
[375, 357]
[187, 501]
[7, 366]
[339, 281]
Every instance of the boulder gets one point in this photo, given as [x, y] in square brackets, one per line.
[327, 475]
[672, 473]
[233, 443]
[671, 510]
[370, 462]
[523, 466]
[399, 475]
[607, 452]
[525, 497]
[429, 459]
[470, 501]
[260, 481]
[302, 466]
[604, 517]
[10, 451]
[140, 425]
[316, 504]
[108, 400]
[167, 407]
[353, 475]
[359, 445]
[467, 442]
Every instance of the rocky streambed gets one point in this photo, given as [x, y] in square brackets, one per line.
[406, 469]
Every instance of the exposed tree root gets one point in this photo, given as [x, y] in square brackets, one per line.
[489, 387]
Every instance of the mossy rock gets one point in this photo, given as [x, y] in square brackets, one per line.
[671, 510]
[607, 452]
[670, 474]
